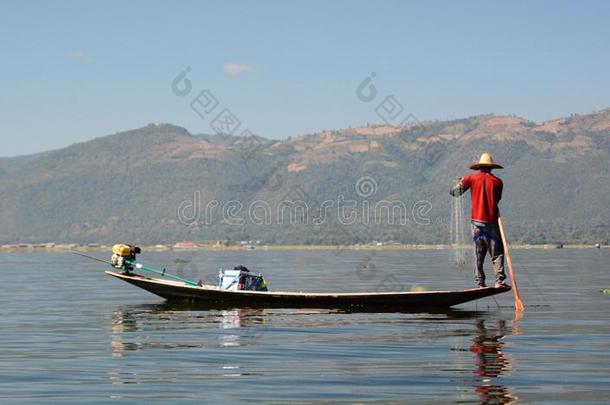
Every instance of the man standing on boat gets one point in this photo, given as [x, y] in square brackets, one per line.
[485, 192]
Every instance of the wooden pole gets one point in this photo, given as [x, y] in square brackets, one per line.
[518, 303]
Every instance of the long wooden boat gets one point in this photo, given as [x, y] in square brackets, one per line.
[209, 294]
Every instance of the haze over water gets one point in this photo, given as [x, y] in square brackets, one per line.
[71, 333]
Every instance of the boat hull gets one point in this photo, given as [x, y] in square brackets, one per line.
[210, 295]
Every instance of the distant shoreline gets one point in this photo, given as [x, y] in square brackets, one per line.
[384, 247]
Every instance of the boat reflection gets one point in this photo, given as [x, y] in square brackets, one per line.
[137, 327]
[171, 326]
[254, 320]
[491, 362]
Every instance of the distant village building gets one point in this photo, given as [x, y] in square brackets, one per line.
[66, 246]
[186, 244]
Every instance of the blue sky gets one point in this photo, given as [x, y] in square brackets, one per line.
[71, 71]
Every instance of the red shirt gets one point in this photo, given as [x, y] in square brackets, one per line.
[485, 192]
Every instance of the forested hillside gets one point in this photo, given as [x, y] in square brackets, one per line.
[160, 184]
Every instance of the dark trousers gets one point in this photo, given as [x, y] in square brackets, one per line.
[487, 239]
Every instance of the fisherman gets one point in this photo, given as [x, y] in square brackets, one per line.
[485, 192]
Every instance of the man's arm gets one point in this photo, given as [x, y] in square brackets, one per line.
[460, 188]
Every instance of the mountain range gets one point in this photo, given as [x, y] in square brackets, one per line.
[381, 183]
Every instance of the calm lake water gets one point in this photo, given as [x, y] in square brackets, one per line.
[72, 334]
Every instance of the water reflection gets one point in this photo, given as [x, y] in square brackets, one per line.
[236, 319]
[206, 330]
[146, 327]
[491, 362]
[232, 327]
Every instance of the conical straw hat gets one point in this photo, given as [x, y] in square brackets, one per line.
[486, 161]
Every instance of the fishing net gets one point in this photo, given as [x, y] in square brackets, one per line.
[458, 233]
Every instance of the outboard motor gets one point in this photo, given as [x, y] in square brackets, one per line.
[122, 255]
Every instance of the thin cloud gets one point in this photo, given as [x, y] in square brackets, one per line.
[78, 56]
[236, 69]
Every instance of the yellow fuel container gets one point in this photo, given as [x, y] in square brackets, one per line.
[122, 250]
